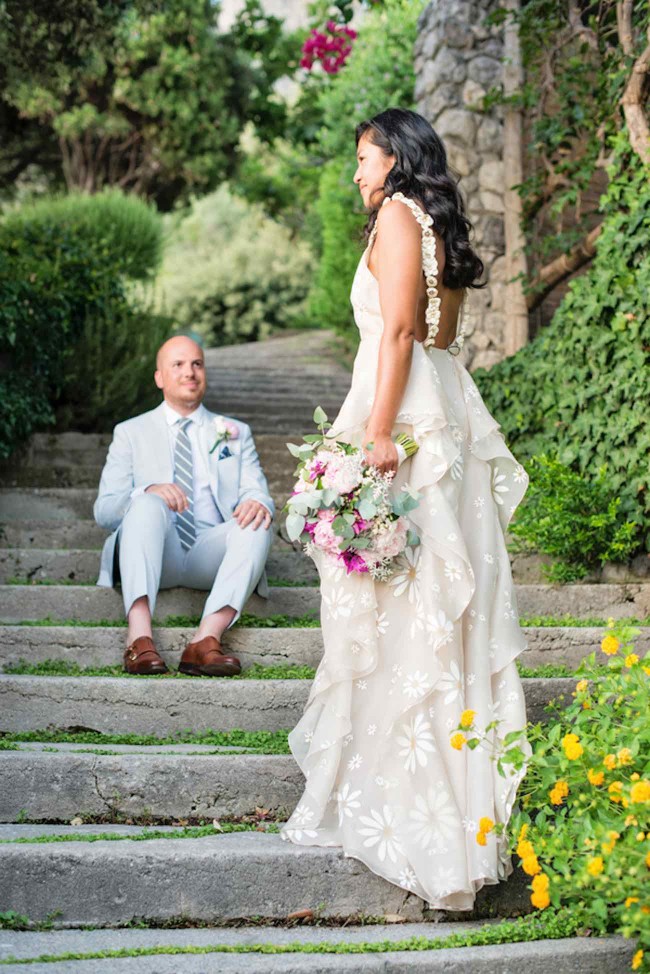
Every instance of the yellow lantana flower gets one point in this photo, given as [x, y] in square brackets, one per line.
[610, 645]
[624, 756]
[582, 685]
[525, 849]
[531, 866]
[457, 740]
[540, 883]
[615, 790]
[556, 796]
[631, 659]
[595, 866]
[610, 761]
[636, 960]
[540, 900]
[640, 792]
[595, 777]
[467, 718]
[485, 824]
[646, 670]
[523, 832]
[481, 838]
[630, 900]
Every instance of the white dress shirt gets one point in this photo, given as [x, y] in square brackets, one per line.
[206, 512]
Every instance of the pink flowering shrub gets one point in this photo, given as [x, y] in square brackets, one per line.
[331, 47]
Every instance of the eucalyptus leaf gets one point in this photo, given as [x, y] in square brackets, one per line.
[295, 524]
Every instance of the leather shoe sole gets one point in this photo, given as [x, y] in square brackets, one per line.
[225, 668]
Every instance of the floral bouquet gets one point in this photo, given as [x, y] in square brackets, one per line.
[342, 505]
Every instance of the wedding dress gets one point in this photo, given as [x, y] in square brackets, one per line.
[404, 657]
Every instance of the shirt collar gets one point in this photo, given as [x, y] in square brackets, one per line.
[172, 416]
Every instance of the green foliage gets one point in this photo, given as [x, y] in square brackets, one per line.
[581, 389]
[156, 105]
[109, 370]
[126, 229]
[66, 308]
[576, 521]
[583, 828]
[266, 742]
[231, 273]
[379, 73]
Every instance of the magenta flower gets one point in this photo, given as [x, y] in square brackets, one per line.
[353, 561]
[332, 49]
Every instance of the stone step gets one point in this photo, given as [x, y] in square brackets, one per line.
[57, 786]
[164, 706]
[213, 880]
[94, 646]
[82, 565]
[66, 503]
[20, 603]
[588, 955]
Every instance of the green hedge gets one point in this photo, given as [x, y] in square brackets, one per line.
[62, 273]
[581, 389]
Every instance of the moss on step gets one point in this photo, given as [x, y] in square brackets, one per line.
[260, 742]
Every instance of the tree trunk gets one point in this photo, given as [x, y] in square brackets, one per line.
[516, 324]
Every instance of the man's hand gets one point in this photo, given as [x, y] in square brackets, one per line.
[252, 512]
[172, 495]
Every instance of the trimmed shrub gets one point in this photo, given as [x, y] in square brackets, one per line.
[581, 389]
[232, 274]
[57, 277]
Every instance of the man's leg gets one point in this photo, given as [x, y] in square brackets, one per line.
[228, 560]
[147, 542]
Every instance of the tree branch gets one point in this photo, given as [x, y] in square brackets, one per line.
[562, 267]
[633, 97]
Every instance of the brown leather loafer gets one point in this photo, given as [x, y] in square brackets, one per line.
[142, 657]
[206, 658]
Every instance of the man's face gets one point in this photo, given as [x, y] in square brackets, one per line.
[181, 372]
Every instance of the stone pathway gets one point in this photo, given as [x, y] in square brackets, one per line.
[50, 545]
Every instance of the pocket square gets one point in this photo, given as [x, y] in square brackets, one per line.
[225, 452]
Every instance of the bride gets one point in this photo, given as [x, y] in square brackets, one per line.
[405, 657]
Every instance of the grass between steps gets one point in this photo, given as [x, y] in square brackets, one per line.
[258, 671]
[245, 621]
[273, 582]
[307, 621]
[54, 667]
[188, 832]
[254, 742]
[551, 925]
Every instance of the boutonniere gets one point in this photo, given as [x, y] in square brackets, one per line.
[225, 430]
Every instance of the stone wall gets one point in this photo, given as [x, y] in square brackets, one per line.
[457, 59]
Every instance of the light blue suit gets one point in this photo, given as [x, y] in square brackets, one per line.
[226, 559]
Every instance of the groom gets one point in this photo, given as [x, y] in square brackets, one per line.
[183, 513]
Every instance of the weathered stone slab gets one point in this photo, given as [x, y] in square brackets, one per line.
[19, 603]
[164, 706]
[212, 880]
[82, 566]
[95, 646]
[584, 955]
[58, 786]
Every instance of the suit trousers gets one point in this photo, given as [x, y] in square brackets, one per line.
[225, 560]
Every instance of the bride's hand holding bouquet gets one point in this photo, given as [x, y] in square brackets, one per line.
[342, 503]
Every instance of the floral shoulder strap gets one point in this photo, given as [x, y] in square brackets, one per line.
[430, 269]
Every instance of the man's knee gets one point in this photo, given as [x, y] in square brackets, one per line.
[147, 507]
[259, 537]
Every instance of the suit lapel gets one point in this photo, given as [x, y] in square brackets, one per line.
[163, 452]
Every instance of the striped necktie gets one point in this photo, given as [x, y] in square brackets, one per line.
[184, 477]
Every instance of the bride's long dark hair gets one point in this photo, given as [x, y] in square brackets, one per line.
[421, 172]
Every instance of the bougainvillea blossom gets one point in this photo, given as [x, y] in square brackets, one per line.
[331, 47]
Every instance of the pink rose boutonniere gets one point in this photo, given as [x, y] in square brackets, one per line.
[225, 430]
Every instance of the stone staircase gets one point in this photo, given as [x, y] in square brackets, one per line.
[173, 776]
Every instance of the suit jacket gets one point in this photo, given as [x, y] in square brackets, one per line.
[139, 455]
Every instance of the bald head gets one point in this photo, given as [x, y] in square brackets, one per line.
[180, 373]
[179, 345]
